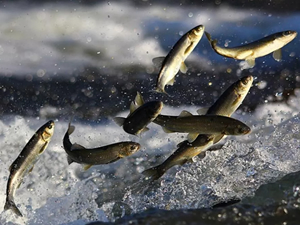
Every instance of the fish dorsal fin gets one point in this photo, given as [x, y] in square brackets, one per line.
[70, 160]
[139, 99]
[202, 111]
[277, 55]
[192, 137]
[183, 68]
[119, 120]
[86, 167]
[251, 62]
[76, 146]
[185, 113]
[171, 82]
[133, 107]
[158, 61]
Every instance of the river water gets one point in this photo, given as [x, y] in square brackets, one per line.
[88, 61]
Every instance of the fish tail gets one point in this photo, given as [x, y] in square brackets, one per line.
[9, 204]
[160, 90]
[212, 42]
[153, 173]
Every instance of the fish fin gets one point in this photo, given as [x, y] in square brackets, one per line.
[139, 99]
[212, 42]
[192, 136]
[166, 130]
[202, 155]
[29, 171]
[202, 111]
[218, 138]
[158, 61]
[182, 143]
[160, 90]
[183, 68]
[144, 130]
[185, 113]
[153, 173]
[70, 160]
[250, 62]
[70, 127]
[216, 147]
[171, 82]
[132, 108]
[119, 120]
[9, 204]
[76, 146]
[277, 55]
[86, 167]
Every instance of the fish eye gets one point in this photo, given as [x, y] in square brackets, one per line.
[50, 126]
[287, 33]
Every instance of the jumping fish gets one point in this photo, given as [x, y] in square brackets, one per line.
[183, 154]
[225, 105]
[25, 163]
[95, 156]
[204, 124]
[141, 114]
[174, 61]
[249, 52]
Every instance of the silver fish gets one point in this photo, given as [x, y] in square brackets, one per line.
[226, 105]
[141, 114]
[95, 156]
[204, 124]
[183, 154]
[25, 163]
[249, 52]
[174, 61]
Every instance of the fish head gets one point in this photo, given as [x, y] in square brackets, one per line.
[242, 130]
[48, 130]
[129, 148]
[244, 85]
[198, 31]
[286, 36]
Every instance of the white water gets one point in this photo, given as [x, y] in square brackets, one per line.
[55, 193]
[58, 39]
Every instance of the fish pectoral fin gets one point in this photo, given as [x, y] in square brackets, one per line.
[277, 55]
[145, 129]
[119, 120]
[250, 62]
[202, 155]
[76, 146]
[30, 170]
[86, 167]
[158, 61]
[185, 113]
[70, 160]
[166, 130]
[172, 81]
[192, 136]
[202, 111]
[183, 68]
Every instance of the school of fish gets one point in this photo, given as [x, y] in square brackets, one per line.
[204, 131]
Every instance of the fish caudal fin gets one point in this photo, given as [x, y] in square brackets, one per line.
[153, 173]
[212, 42]
[9, 204]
